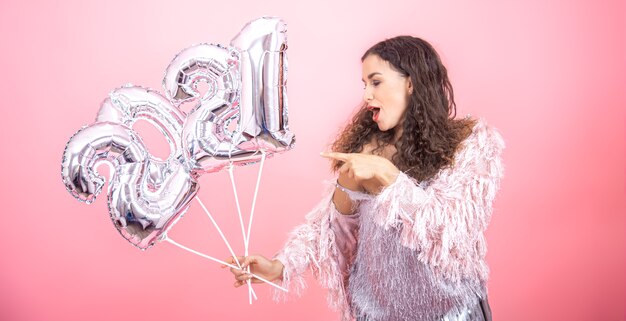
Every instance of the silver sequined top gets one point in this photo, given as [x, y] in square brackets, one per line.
[387, 281]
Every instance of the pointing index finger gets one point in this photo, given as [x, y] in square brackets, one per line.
[336, 155]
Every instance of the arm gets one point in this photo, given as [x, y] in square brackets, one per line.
[342, 201]
[446, 220]
[345, 226]
[313, 245]
[326, 243]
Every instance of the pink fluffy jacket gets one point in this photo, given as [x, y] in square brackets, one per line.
[444, 219]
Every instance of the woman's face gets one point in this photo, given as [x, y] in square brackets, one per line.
[386, 92]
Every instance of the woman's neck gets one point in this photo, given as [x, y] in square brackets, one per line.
[374, 147]
[397, 131]
[397, 134]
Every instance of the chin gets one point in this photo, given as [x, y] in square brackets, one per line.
[383, 127]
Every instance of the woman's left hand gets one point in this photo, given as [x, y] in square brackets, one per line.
[373, 172]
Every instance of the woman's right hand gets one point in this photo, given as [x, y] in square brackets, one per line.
[270, 270]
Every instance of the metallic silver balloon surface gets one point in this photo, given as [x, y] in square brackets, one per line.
[146, 195]
[242, 115]
[263, 45]
[244, 112]
[129, 103]
[214, 64]
[211, 126]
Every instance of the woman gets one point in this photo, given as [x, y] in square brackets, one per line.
[400, 236]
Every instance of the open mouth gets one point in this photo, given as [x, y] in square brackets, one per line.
[375, 112]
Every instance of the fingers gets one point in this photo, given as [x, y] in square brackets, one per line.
[335, 155]
[241, 274]
[345, 168]
[232, 261]
[238, 273]
[349, 171]
[248, 261]
[243, 278]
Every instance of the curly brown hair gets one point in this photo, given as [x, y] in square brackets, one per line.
[430, 132]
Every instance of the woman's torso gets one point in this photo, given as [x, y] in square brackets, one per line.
[387, 280]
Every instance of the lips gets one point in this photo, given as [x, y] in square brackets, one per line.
[375, 112]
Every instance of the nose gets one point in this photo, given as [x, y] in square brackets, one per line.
[367, 94]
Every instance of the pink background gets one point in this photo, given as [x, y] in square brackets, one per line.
[550, 75]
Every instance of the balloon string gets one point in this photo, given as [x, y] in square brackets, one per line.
[256, 192]
[168, 239]
[243, 230]
[232, 181]
[240, 130]
[217, 227]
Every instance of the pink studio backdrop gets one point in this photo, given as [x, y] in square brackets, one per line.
[549, 74]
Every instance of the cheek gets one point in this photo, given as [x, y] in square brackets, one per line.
[400, 103]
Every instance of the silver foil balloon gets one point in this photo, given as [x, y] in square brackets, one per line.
[263, 46]
[146, 195]
[130, 103]
[212, 63]
[211, 127]
[244, 111]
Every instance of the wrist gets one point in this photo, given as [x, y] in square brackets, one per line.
[277, 267]
[386, 178]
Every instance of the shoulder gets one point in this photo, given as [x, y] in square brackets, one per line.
[484, 138]
[480, 153]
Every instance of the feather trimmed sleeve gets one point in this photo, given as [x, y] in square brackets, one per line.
[445, 220]
[324, 244]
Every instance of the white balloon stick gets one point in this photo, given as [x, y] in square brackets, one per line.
[168, 239]
[217, 227]
[243, 229]
[256, 192]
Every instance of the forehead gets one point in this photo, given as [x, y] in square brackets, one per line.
[374, 64]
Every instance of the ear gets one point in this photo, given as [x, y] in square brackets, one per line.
[409, 86]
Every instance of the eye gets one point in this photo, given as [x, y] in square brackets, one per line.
[375, 83]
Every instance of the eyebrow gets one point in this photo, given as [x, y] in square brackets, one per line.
[371, 75]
